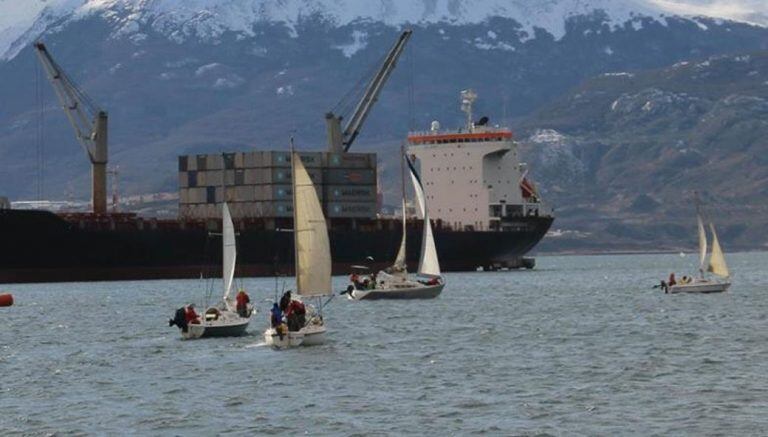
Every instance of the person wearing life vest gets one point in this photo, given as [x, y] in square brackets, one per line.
[191, 315]
[296, 315]
[276, 319]
[242, 303]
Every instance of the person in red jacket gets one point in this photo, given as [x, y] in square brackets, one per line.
[295, 315]
[191, 315]
[242, 303]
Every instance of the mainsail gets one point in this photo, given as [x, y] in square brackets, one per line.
[717, 261]
[428, 263]
[229, 250]
[702, 245]
[313, 251]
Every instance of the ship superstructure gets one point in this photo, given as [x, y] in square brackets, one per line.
[473, 176]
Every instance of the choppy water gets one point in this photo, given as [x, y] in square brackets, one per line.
[582, 345]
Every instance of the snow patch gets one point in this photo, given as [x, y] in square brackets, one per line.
[229, 82]
[359, 42]
[286, 90]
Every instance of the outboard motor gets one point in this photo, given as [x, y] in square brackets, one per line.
[179, 319]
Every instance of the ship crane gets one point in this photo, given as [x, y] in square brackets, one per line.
[88, 121]
[341, 140]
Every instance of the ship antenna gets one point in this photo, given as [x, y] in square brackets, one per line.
[468, 97]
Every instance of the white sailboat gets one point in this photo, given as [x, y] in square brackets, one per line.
[394, 283]
[312, 259]
[222, 320]
[716, 266]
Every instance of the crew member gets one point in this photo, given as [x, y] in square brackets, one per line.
[191, 315]
[277, 319]
[285, 300]
[242, 303]
[671, 281]
[296, 315]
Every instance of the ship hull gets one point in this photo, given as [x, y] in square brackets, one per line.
[41, 247]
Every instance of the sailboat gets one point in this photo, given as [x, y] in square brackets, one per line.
[312, 261]
[716, 265]
[393, 282]
[222, 319]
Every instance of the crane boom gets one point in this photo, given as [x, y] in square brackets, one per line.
[88, 121]
[339, 140]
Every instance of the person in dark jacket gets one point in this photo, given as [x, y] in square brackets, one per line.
[285, 301]
[179, 319]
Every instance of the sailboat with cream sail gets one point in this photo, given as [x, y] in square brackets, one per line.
[393, 282]
[224, 319]
[312, 261]
[716, 265]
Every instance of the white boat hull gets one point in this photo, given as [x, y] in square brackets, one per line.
[311, 335]
[700, 287]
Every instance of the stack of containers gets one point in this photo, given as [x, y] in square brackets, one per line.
[258, 184]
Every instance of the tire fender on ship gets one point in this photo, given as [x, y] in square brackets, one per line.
[6, 300]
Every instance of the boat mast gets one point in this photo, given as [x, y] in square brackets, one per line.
[702, 236]
[341, 140]
[294, 157]
[88, 120]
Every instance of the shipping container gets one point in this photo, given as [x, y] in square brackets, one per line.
[183, 196]
[229, 177]
[214, 162]
[253, 160]
[229, 161]
[276, 209]
[283, 192]
[212, 178]
[275, 158]
[351, 209]
[354, 193]
[196, 195]
[244, 193]
[201, 162]
[183, 166]
[337, 176]
[349, 160]
[183, 179]
[239, 160]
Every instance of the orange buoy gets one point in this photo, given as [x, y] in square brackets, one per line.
[6, 300]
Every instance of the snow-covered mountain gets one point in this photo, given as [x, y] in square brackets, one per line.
[22, 21]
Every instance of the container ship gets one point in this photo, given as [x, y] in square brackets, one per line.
[487, 213]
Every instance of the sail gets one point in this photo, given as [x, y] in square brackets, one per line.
[229, 250]
[400, 260]
[717, 261]
[702, 245]
[428, 263]
[313, 251]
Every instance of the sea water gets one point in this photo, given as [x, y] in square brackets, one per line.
[580, 345]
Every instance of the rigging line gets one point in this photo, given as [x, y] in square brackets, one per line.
[412, 90]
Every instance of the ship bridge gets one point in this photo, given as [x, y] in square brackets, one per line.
[473, 178]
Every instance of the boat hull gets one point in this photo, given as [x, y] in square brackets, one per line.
[227, 328]
[49, 249]
[312, 335]
[425, 292]
[700, 287]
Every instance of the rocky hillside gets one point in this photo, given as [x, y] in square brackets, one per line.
[631, 147]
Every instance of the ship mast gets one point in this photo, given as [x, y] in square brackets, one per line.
[341, 140]
[88, 120]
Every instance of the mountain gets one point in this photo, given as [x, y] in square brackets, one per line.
[198, 76]
[623, 153]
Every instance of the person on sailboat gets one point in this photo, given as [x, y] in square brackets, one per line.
[191, 315]
[285, 301]
[276, 319]
[243, 300]
[296, 315]
[672, 280]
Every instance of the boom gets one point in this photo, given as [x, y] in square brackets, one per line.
[88, 121]
[339, 140]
